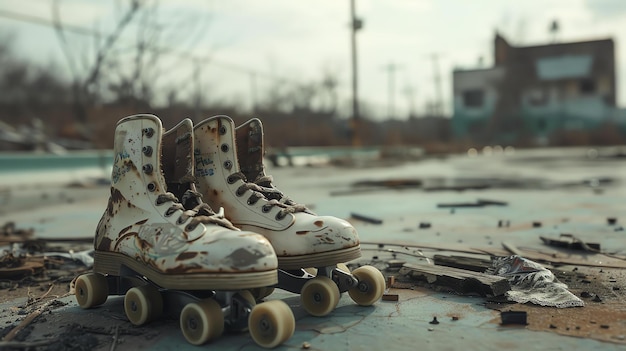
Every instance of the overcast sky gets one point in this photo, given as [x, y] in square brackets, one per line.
[297, 40]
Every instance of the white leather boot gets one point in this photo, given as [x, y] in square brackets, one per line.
[166, 255]
[230, 174]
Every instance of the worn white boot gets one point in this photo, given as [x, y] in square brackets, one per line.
[153, 249]
[230, 174]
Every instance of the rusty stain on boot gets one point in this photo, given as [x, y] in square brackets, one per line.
[243, 257]
[186, 256]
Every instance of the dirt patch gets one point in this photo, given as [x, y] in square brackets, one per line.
[602, 318]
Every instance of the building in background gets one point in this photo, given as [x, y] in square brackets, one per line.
[535, 94]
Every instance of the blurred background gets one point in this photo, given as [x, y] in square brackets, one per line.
[440, 76]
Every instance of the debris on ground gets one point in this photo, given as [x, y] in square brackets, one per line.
[569, 241]
[478, 203]
[12, 266]
[462, 262]
[29, 263]
[366, 219]
[9, 234]
[459, 280]
[513, 317]
[531, 282]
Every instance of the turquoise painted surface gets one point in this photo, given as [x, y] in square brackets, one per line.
[20, 162]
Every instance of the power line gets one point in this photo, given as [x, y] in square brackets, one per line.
[251, 73]
[154, 48]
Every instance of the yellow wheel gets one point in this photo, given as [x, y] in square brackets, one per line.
[271, 323]
[143, 304]
[370, 288]
[261, 293]
[91, 290]
[202, 321]
[319, 296]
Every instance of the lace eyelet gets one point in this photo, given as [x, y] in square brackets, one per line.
[252, 200]
[239, 192]
[266, 208]
[180, 220]
[224, 147]
[280, 216]
[222, 130]
[147, 168]
[151, 187]
[231, 179]
[147, 150]
[191, 226]
[228, 164]
[149, 132]
[170, 211]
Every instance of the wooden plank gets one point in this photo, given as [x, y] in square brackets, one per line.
[459, 280]
[554, 258]
[367, 219]
[569, 241]
[462, 262]
[512, 248]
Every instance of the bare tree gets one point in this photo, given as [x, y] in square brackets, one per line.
[84, 85]
[128, 62]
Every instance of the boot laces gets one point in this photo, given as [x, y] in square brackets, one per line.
[262, 188]
[192, 206]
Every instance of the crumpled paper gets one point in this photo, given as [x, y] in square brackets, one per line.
[531, 282]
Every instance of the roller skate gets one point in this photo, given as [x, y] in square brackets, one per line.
[177, 257]
[230, 174]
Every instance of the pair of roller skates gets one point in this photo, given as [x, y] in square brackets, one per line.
[165, 249]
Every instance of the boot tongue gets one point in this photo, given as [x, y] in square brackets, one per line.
[250, 150]
[190, 199]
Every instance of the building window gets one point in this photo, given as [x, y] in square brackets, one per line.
[587, 86]
[473, 98]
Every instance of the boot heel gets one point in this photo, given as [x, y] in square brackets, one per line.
[105, 263]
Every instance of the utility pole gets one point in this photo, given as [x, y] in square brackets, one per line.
[355, 25]
[438, 108]
[391, 89]
[409, 93]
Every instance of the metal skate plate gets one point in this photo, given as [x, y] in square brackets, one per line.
[294, 280]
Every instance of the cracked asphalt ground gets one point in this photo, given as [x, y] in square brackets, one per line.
[563, 190]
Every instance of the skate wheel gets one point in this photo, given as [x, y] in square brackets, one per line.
[92, 289]
[202, 321]
[271, 323]
[261, 293]
[370, 288]
[319, 296]
[143, 304]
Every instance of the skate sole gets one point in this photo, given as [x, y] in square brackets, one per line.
[111, 263]
[321, 259]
